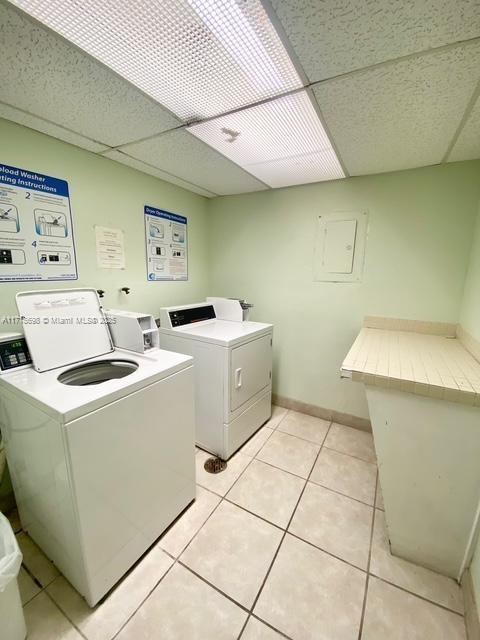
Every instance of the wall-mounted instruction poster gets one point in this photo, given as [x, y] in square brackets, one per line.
[110, 248]
[36, 234]
[166, 245]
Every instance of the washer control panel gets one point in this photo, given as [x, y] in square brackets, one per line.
[14, 353]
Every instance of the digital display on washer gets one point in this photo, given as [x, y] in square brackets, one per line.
[14, 353]
[189, 316]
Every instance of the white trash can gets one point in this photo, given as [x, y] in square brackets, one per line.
[12, 621]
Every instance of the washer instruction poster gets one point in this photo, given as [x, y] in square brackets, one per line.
[166, 245]
[36, 236]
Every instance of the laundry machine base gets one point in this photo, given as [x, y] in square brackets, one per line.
[232, 435]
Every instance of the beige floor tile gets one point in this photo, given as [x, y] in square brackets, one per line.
[45, 621]
[351, 441]
[107, 618]
[183, 607]
[394, 614]
[289, 453]
[256, 630]
[267, 491]
[233, 551]
[278, 414]
[309, 595]
[350, 476]
[180, 534]
[220, 483]
[423, 582]
[303, 426]
[334, 523]
[27, 587]
[36, 561]
[256, 442]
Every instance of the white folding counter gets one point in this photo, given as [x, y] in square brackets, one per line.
[423, 394]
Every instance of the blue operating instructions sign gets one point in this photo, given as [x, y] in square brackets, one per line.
[36, 234]
[166, 245]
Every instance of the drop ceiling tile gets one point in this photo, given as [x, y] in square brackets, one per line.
[51, 129]
[199, 58]
[183, 155]
[467, 146]
[123, 158]
[335, 36]
[281, 142]
[316, 166]
[401, 115]
[44, 75]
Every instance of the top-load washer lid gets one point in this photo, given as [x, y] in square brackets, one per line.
[63, 326]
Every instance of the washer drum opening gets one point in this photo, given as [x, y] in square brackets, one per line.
[97, 372]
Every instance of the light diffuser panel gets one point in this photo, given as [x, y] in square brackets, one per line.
[281, 142]
[198, 58]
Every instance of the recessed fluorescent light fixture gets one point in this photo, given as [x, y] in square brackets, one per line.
[281, 142]
[199, 58]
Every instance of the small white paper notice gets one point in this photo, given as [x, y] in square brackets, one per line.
[110, 248]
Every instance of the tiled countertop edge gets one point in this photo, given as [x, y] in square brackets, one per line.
[418, 388]
[470, 344]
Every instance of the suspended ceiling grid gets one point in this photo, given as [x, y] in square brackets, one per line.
[396, 84]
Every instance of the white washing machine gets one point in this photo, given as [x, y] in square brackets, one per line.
[233, 373]
[100, 441]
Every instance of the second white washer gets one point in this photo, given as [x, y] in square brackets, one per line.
[233, 373]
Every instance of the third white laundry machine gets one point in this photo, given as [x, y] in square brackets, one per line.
[233, 373]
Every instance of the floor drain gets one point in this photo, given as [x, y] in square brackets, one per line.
[215, 465]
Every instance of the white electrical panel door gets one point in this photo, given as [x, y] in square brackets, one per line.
[250, 370]
[340, 247]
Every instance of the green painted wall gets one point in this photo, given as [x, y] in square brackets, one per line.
[470, 314]
[420, 233]
[106, 193]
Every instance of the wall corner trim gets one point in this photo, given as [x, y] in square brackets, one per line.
[469, 342]
[472, 618]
